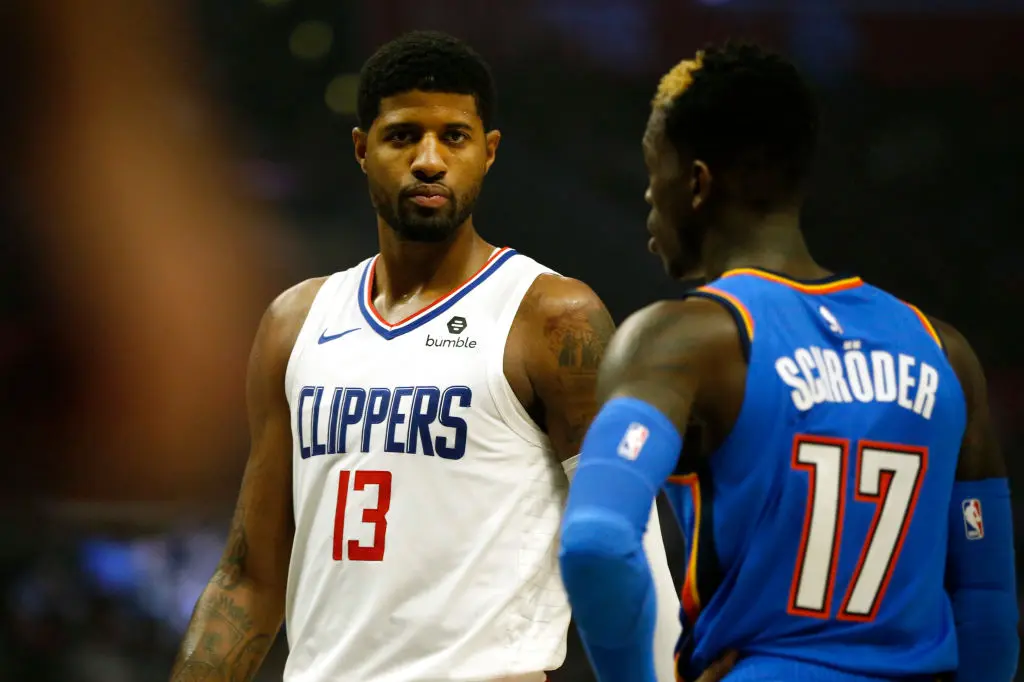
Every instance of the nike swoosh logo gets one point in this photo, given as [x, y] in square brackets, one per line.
[324, 338]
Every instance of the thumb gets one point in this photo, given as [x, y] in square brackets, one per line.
[720, 668]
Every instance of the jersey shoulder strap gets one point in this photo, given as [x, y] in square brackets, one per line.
[336, 289]
[507, 290]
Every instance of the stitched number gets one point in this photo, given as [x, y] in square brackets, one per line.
[888, 476]
[377, 515]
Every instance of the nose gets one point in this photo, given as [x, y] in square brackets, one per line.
[648, 197]
[429, 164]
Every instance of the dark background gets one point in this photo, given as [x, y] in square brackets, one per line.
[917, 189]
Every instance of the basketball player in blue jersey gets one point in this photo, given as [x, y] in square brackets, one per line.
[848, 514]
[402, 498]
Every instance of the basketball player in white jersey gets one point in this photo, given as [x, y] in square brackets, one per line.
[409, 416]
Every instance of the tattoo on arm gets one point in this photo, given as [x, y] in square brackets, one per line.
[230, 647]
[579, 336]
[232, 565]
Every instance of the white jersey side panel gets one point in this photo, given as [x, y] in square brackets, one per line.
[668, 627]
[427, 504]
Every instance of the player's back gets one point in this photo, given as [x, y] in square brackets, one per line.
[824, 512]
[427, 503]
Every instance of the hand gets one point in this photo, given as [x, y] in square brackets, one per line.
[720, 668]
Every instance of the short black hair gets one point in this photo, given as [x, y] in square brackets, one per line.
[741, 105]
[428, 61]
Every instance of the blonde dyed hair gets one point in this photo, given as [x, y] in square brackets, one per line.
[675, 82]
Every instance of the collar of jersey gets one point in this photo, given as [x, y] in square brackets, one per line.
[424, 315]
[826, 285]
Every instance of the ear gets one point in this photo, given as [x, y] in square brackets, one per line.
[700, 183]
[492, 139]
[359, 138]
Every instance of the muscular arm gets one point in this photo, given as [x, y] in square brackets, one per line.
[240, 612]
[980, 571]
[655, 374]
[664, 353]
[565, 328]
[570, 331]
[981, 456]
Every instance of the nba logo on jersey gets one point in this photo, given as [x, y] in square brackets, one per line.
[833, 323]
[633, 441]
[973, 526]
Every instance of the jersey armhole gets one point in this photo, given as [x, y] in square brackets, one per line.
[315, 313]
[744, 320]
[505, 399]
[928, 327]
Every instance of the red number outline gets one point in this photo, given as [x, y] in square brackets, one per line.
[843, 446]
[879, 499]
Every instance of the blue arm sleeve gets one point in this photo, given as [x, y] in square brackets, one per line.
[981, 580]
[629, 451]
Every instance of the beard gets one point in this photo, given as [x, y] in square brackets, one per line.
[687, 265]
[413, 223]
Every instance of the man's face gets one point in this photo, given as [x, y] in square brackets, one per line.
[425, 157]
[673, 222]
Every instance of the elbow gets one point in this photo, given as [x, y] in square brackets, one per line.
[270, 585]
[987, 636]
[592, 539]
[604, 571]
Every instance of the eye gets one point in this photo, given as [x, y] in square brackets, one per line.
[399, 137]
[455, 137]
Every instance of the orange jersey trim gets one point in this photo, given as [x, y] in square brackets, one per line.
[748, 319]
[827, 288]
[689, 595]
[927, 324]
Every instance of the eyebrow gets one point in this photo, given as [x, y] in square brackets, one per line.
[410, 125]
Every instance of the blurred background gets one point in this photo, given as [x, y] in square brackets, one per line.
[170, 167]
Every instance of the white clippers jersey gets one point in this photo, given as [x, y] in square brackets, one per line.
[427, 503]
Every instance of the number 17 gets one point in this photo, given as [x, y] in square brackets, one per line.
[888, 476]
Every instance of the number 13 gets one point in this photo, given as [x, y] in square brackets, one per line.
[375, 515]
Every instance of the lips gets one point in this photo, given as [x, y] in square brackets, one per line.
[428, 190]
[429, 196]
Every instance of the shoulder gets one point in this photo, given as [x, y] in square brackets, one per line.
[668, 350]
[965, 364]
[282, 321]
[560, 316]
[288, 311]
[700, 321]
[980, 453]
[553, 297]
[562, 327]
[964, 361]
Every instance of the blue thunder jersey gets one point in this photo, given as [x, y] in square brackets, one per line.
[817, 531]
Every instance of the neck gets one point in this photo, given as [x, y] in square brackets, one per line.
[405, 268]
[772, 241]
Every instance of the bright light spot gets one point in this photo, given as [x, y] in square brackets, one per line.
[340, 95]
[311, 40]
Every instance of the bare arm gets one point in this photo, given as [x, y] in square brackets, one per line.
[240, 612]
[566, 329]
[980, 562]
[665, 355]
[981, 456]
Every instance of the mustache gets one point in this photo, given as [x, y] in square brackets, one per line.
[425, 190]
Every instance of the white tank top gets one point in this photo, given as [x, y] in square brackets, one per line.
[427, 503]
